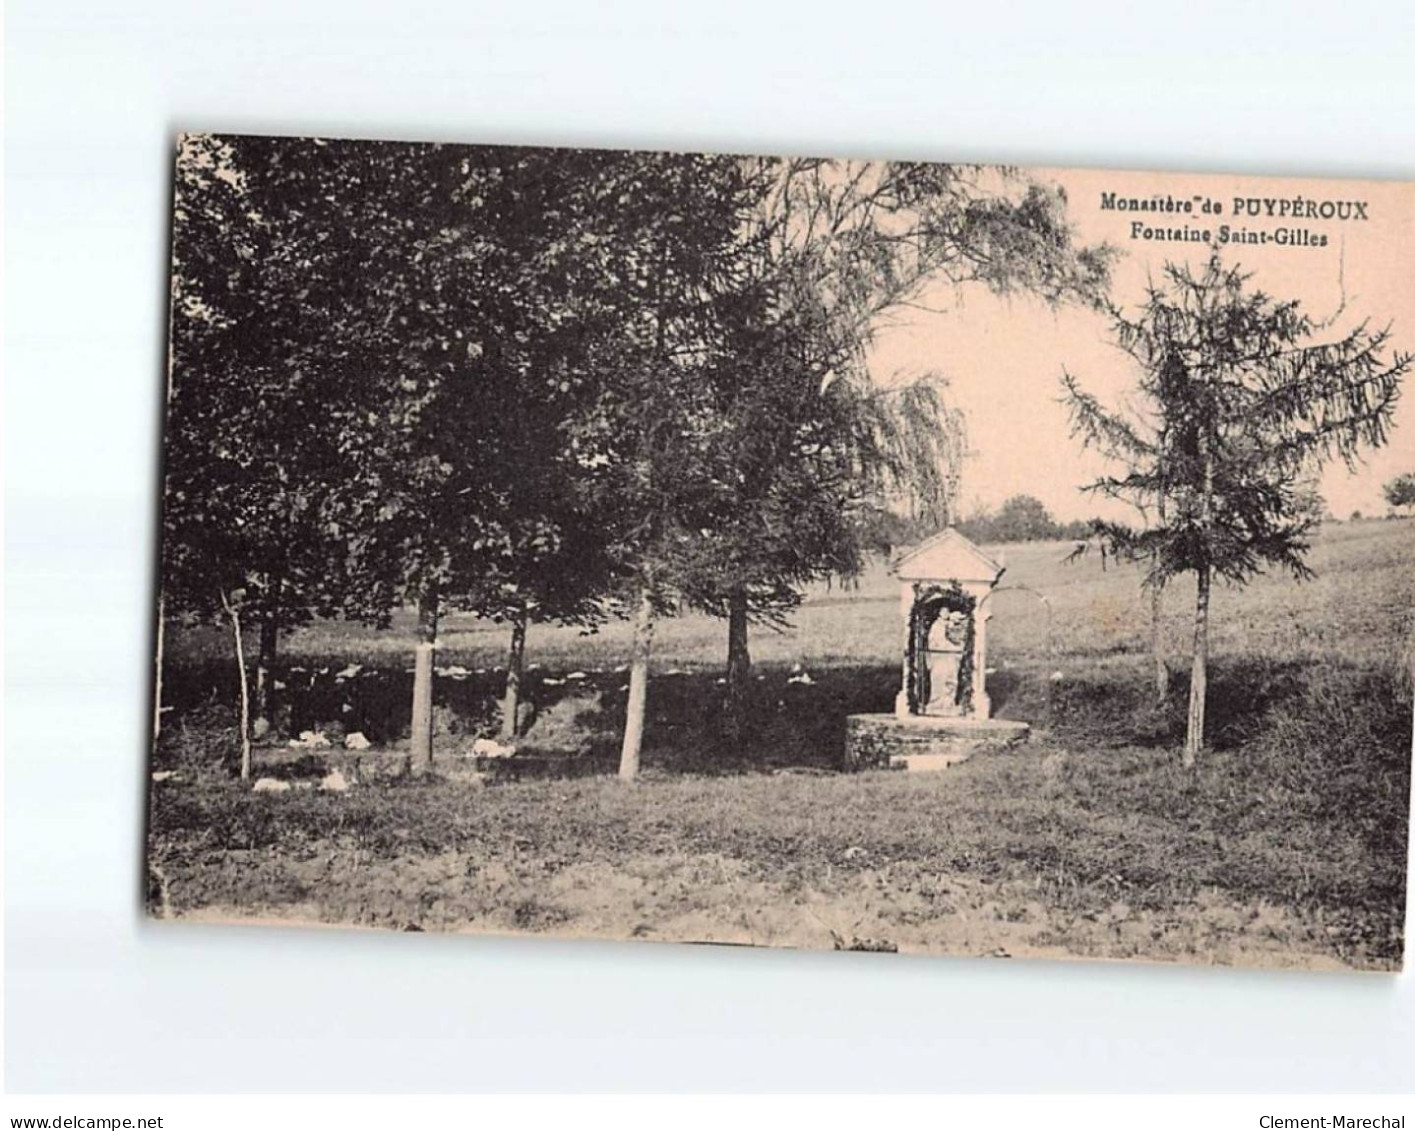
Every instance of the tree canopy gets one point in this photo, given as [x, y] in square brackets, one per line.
[557, 384]
[1400, 491]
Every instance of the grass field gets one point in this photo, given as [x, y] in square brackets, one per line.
[1286, 847]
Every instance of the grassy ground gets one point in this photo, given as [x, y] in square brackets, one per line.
[1362, 600]
[1286, 847]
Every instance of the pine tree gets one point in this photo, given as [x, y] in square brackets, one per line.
[1243, 404]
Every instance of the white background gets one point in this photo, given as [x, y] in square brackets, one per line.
[98, 1000]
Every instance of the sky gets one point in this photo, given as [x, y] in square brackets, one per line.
[1004, 356]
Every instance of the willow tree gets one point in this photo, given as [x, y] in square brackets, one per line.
[1242, 404]
[834, 251]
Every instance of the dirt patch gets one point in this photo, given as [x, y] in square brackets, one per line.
[717, 899]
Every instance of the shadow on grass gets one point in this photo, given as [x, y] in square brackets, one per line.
[1250, 699]
[1330, 719]
[1003, 687]
[1301, 800]
[792, 721]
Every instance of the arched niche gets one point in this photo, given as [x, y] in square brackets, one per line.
[944, 585]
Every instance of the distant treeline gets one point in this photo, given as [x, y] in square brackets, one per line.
[1021, 518]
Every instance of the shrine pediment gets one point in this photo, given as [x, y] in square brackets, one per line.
[947, 557]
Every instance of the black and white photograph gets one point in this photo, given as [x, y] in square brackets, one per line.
[830, 554]
[682, 566]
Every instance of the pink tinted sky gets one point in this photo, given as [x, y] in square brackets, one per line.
[1004, 356]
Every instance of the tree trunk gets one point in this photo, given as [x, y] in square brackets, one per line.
[1199, 673]
[245, 687]
[1157, 625]
[739, 667]
[421, 757]
[514, 661]
[265, 672]
[638, 688]
[1157, 643]
[1199, 677]
[157, 672]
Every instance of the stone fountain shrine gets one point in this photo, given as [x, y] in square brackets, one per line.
[942, 712]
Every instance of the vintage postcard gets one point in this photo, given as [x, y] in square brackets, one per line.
[845, 554]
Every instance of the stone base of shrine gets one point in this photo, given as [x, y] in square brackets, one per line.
[923, 742]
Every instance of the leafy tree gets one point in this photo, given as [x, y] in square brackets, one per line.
[1023, 518]
[1242, 407]
[1400, 491]
[522, 266]
[451, 317]
[251, 459]
[657, 430]
[388, 296]
[324, 451]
